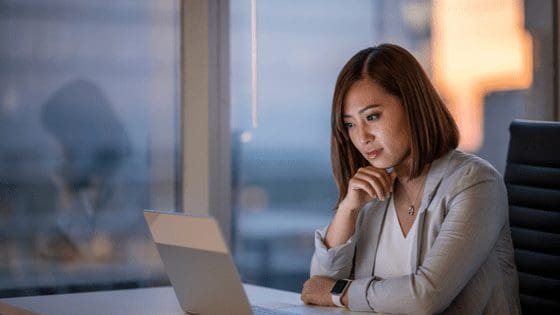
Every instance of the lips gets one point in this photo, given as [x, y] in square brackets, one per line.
[373, 153]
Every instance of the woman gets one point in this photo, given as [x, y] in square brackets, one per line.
[420, 227]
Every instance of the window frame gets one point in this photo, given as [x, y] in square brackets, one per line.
[205, 111]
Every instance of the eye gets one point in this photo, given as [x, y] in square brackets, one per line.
[348, 125]
[373, 117]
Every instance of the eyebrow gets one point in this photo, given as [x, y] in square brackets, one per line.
[362, 110]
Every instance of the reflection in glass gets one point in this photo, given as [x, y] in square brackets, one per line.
[88, 107]
[93, 145]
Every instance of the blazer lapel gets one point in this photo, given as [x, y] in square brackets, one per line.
[433, 180]
[373, 220]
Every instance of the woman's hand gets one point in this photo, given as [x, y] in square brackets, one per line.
[368, 183]
[317, 291]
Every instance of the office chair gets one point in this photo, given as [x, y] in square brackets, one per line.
[533, 182]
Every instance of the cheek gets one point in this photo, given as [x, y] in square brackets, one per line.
[403, 140]
[395, 139]
[398, 132]
[353, 139]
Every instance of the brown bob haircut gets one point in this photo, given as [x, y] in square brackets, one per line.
[433, 131]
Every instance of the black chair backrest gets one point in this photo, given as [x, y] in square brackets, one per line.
[533, 182]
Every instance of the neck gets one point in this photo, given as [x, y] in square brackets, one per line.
[411, 189]
[403, 169]
[403, 175]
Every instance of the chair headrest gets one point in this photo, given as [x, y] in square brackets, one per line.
[534, 143]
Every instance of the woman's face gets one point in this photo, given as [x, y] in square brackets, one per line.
[376, 123]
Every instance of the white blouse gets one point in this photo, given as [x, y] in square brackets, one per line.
[394, 249]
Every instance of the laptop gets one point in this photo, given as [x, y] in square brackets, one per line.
[200, 267]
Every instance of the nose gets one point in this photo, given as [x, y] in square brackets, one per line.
[364, 136]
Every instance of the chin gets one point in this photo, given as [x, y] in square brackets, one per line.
[379, 163]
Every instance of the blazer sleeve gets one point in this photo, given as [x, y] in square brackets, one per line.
[477, 211]
[335, 262]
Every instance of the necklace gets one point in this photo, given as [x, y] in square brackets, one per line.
[411, 209]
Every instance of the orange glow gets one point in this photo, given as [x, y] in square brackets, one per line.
[478, 46]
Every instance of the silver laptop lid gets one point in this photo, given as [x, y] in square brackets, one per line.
[198, 263]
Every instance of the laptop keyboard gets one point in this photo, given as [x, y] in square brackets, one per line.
[259, 310]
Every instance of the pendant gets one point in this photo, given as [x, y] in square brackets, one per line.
[411, 210]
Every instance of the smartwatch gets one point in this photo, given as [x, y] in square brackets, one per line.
[338, 291]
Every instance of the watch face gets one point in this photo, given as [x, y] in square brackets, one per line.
[339, 286]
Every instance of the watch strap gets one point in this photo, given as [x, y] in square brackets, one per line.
[337, 300]
[337, 297]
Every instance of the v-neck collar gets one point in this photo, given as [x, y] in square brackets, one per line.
[435, 175]
[395, 218]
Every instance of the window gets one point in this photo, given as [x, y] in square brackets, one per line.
[477, 53]
[89, 100]
[283, 187]
[90, 122]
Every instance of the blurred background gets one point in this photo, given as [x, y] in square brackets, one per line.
[89, 103]
[90, 122]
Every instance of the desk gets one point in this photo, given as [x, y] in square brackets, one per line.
[152, 301]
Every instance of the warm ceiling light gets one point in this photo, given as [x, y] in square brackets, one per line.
[479, 46]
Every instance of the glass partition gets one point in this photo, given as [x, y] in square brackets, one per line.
[89, 100]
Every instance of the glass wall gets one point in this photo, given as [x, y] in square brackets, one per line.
[477, 53]
[283, 188]
[88, 120]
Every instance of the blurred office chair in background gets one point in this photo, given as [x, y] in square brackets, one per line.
[533, 182]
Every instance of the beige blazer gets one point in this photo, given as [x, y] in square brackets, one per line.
[463, 259]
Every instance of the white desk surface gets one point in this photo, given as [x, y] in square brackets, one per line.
[153, 301]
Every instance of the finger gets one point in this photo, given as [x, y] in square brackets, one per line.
[380, 179]
[375, 183]
[307, 299]
[310, 302]
[358, 184]
[380, 174]
[383, 175]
